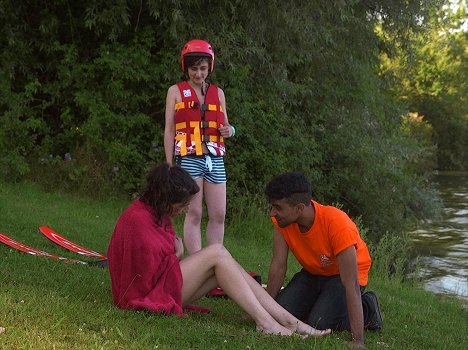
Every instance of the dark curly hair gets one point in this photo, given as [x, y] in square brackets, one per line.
[168, 185]
[294, 187]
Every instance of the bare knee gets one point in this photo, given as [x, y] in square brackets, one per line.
[217, 248]
[217, 218]
[218, 251]
[194, 217]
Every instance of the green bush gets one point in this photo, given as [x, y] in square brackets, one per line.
[83, 85]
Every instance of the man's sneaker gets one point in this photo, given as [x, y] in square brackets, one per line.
[374, 321]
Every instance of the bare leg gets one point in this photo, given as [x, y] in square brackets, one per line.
[215, 199]
[215, 261]
[209, 285]
[192, 222]
[277, 311]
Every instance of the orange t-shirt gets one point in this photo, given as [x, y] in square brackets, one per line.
[331, 233]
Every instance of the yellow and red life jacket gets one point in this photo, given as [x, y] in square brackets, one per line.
[196, 122]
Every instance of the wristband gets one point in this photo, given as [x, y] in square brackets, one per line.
[233, 130]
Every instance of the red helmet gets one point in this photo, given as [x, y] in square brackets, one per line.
[197, 47]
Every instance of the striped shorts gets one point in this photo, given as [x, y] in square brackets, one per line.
[210, 168]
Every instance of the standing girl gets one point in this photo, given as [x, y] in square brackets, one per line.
[195, 128]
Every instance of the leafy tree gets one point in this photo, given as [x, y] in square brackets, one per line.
[82, 90]
[431, 80]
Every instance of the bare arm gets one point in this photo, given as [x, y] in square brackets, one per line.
[347, 262]
[225, 130]
[278, 265]
[169, 126]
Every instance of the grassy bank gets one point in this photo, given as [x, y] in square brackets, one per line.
[46, 304]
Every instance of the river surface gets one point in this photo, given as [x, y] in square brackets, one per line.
[442, 244]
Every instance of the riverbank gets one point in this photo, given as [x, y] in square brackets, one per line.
[52, 305]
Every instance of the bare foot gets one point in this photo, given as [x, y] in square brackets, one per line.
[306, 330]
[275, 329]
[2, 330]
[317, 332]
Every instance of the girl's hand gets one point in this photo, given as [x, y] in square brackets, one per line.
[179, 247]
[226, 130]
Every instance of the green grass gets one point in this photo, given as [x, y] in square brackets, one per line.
[45, 304]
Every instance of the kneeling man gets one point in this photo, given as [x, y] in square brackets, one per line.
[329, 290]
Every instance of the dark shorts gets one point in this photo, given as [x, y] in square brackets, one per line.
[320, 301]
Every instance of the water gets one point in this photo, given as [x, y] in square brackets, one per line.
[443, 244]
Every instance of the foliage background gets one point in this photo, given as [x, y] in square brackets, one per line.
[83, 84]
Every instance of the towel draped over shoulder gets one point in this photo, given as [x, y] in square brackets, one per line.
[144, 270]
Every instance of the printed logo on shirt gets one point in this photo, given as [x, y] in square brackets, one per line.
[187, 93]
[325, 260]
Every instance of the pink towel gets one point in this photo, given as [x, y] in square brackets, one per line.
[144, 270]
